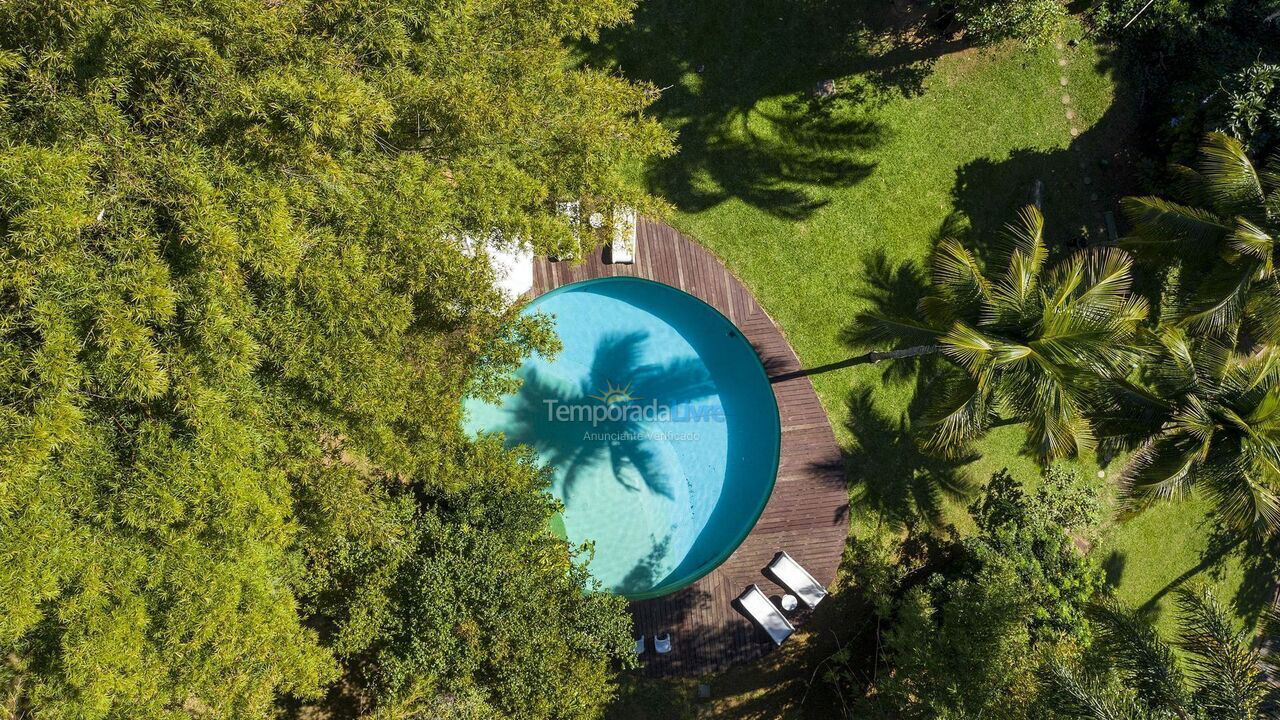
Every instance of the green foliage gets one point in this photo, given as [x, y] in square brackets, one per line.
[1028, 340]
[483, 596]
[1181, 52]
[1133, 673]
[1221, 233]
[1024, 530]
[967, 642]
[1210, 419]
[1035, 22]
[1069, 500]
[962, 648]
[235, 327]
[1206, 413]
[1247, 107]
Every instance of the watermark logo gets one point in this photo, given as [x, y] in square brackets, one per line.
[613, 394]
[618, 404]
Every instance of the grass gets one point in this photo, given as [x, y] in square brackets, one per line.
[826, 208]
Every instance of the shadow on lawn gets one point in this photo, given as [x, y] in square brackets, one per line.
[1079, 183]
[738, 80]
[902, 485]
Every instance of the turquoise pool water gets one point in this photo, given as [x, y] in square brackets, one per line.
[659, 424]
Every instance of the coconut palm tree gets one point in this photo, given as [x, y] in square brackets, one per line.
[1218, 676]
[1026, 342]
[1223, 234]
[1209, 417]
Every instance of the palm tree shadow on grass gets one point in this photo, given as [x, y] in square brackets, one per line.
[894, 480]
[889, 291]
[736, 79]
[635, 461]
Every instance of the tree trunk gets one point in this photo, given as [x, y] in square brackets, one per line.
[871, 357]
[918, 350]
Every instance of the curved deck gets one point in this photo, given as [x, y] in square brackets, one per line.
[806, 514]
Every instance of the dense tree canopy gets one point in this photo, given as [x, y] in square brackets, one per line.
[967, 640]
[235, 325]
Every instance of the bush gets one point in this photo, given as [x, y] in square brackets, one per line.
[1034, 22]
[1247, 107]
[966, 634]
[1069, 500]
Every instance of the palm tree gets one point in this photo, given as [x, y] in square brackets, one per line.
[1218, 676]
[1223, 235]
[1210, 417]
[1028, 342]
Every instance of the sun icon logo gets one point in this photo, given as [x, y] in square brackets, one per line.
[614, 394]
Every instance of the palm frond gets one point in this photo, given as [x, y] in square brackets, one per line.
[1159, 226]
[968, 347]
[1271, 173]
[1250, 241]
[1188, 186]
[1012, 291]
[1073, 694]
[957, 275]
[1262, 312]
[1149, 665]
[1109, 273]
[1051, 401]
[1162, 469]
[1225, 670]
[877, 329]
[1231, 180]
[936, 311]
[1218, 302]
[959, 414]
[1242, 484]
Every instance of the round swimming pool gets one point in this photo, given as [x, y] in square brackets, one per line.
[659, 424]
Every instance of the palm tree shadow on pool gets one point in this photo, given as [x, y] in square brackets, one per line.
[617, 375]
[648, 572]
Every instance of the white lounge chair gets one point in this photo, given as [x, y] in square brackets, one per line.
[623, 247]
[758, 607]
[640, 645]
[795, 578]
[662, 643]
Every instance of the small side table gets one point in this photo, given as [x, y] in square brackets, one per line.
[789, 602]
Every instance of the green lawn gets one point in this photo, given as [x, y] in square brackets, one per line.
[826, 208]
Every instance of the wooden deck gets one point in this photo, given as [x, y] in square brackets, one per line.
[807, 513]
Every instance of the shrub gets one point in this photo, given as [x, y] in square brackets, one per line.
[1069, 500]
[1247, 107]
[1034, 22]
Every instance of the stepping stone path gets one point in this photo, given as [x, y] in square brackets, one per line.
[1064, 81]
[1070, 112]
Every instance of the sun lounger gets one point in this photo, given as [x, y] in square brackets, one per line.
[795, 578]
[756, 606]
[662, 643]
[640, 645]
